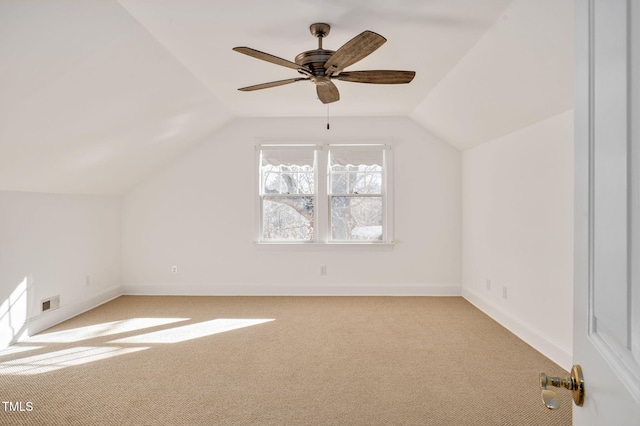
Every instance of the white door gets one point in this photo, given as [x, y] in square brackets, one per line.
[607, 232]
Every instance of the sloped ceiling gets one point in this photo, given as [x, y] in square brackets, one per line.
[519, 72]
[95, 95]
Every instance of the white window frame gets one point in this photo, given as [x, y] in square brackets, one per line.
[322, 211]
[262, 195]
[383, 149]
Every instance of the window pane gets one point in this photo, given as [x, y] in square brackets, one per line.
[364, 180]
[339, 183]
[287, 179]
[368, 180]
[356, 218]
[358, 178]
[287, 218]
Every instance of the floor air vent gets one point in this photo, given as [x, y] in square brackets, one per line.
[51, 303]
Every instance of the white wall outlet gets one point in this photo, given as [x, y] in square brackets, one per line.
[488, 285]
[323, 270]
[174, 270]
[504, 292]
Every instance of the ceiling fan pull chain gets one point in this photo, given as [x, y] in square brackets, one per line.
[328, 127]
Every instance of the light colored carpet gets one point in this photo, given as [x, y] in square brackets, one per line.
[317, 361]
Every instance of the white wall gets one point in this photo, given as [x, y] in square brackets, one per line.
[500, 212]
[518, 233]
[518, 73]
[67, 245]
[198, 214]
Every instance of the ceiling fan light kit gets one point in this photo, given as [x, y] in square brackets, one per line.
[321, 66]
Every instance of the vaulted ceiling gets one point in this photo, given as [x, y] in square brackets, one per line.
[97, 94]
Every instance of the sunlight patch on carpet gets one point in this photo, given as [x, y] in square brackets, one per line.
[192, 331]
[100, 330]
[11, 350]
[51, 361]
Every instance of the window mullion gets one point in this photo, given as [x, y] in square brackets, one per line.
[322, 202]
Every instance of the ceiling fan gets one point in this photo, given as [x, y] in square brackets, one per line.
[321, 66]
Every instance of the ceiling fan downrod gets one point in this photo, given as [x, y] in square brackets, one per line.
[320, 30]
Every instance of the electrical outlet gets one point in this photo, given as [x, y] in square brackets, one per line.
[174, 270]
[323, 270]
[504, 292]
[488, 285]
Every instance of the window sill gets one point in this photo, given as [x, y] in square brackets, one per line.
[323, 246]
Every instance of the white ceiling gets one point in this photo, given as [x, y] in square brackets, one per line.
[95, 95]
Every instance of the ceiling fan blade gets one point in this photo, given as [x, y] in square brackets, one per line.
[377, 77]
[270, 58]
[327, 92]
[271, 84]
[354, 50]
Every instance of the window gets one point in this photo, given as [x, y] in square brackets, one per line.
[324, 193]
[355, 194]
[288, 194]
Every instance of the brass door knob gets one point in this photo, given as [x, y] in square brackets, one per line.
[575, 383]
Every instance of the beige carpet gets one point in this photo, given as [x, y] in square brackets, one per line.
[278, 361]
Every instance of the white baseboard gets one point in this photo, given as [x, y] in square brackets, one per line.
[548, 347]
[290, 290]
[47, 320]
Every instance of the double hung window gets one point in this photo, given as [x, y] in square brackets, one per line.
[355, 194]
[288, 194]
[324, 193]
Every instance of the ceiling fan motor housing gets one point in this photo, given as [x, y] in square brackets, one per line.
[314, 60]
